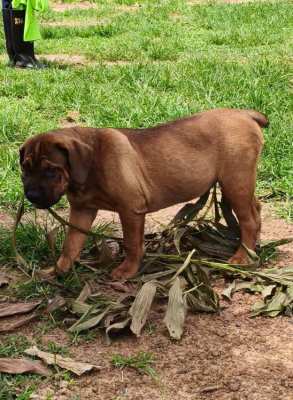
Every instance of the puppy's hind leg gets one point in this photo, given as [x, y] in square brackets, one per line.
[239, 192]
[257, 215]
[75, 239]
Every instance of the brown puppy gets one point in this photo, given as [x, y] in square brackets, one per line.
[137, 171]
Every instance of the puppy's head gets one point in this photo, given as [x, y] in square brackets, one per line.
[50, 163]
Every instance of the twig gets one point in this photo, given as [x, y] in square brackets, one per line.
[63, 222]
[19, 258]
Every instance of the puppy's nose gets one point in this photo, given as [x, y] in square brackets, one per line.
[33, 196]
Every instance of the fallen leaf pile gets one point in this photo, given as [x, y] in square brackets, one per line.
[179, 267]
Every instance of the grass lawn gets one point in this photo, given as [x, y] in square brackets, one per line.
[145, 62]
[132, 63]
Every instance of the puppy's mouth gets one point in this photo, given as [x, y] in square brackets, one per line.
[43, 206]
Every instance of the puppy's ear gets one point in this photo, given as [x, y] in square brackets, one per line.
[80, 157]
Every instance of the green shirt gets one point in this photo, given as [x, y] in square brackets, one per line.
[31, 25]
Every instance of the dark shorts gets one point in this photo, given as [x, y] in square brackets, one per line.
[6, 3]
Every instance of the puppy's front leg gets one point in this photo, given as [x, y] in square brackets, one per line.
[75, 239]
[133, 237]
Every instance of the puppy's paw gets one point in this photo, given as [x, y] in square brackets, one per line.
[63, 266]
[61, 272]
[239, 259]
[124, 271]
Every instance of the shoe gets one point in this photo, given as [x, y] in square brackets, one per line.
[22, 61]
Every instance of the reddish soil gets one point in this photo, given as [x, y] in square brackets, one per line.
[73, 59]
[58, 6]
[61, 7]
[5, 220]
[228, 356]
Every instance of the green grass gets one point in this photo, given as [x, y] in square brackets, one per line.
[141, 362]
[32, 243]
[178, 59]
[56, 348]
[26, 235]
[13, 345]
[181, 59]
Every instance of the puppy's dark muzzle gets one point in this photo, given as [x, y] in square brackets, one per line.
[37, 199]
[34, 196]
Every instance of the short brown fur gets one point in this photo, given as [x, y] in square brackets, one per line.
[137, 171]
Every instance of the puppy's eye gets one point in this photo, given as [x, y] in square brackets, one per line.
[50, 173]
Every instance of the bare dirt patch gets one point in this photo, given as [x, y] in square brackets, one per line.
[85, 5]
[175, 16]
[82, 5]
[70, 120]
[274, 228]
[77, 23]
[6, 220]
[129, 8]
[225, 356]
[73, 59]
[116, 62]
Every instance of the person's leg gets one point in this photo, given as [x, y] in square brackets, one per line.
[6, 13]
[21, 53]
[23, 50]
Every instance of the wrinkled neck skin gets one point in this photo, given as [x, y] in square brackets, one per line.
[89, 196]
[74, 189]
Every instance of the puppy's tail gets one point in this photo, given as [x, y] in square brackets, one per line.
[258, 117]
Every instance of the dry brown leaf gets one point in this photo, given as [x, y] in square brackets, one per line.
[116, 326]
[85, 293]
[55, 304]
[78, 368]
[21, 365]
[120, 286]
[6, 325]
[8, 309]
[46, 274]
[141, 306]
[176, 310]
[109, 250]
[82, 325]
[80, 308]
